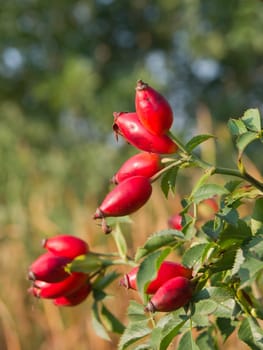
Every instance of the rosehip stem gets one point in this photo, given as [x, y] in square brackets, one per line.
[162, 171]
[178, 142]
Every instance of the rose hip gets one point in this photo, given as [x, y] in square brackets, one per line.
[49, 268]
[172, 295]
[142, 164]
[47, 290]
[125, 198]
[129, 126]
[75, 298]
[154, 111]
[66, 245]
[167, 271]
[175, 222]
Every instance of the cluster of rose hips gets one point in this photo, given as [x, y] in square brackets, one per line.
[147, 130]
[170, 290]
[49, 276]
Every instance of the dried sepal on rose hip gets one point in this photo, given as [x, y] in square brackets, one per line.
[131, 129]
[153, 109]
[141, 164]
[172, 295]
[125, 198]
[49, 268]
[167, 271]
[66, 245]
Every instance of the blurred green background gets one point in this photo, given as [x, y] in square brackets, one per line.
[65, 66]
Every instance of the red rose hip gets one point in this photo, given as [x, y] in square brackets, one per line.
[66, 245]
[154, 111]
[175, 222]
[125, 198]
[49, 268]
[172, 295]
[129, 126]
[167, 271]
[141, 164]
[75, 298]
[47, 290]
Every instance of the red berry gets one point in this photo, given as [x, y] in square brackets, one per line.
[142, 164]
[125, 198]
[153, 109]
[207, 208]
[75, 298]
[54, 290]
[167, 271]
[49, 268]
[129, 126]
[66, 245]
[175, 222]
[172, 295]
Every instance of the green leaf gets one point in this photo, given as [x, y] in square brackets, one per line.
[233, 185]
[255, 247]
[249, 270]
[205, 307]
[97, 323]
[168, 181]
[187, 342]
[120, 241]
[217, 294]
[212, 228]
[201, 311]
[103, 281]
[169, 326]
[244, 140]
[133, 333]
[226, 326]
[226, 309]
[207, 191]
[257, 216]
[194, 254]
[158, 240]
[239, 259]
[111, 323]
[213, 300]
[197, 140]
[234, 235]
[86, 263]
[251, 119]
[225, 261]
[205, 341]
[136, 312]
[251, 333]
[148, 269]
[169, 335]
[98, 294]
[236, 127]
[143, 347]
[229, 215]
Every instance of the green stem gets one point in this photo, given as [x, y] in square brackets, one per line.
[237, 173]
[178, 142]
[160, 173]
[226, 171]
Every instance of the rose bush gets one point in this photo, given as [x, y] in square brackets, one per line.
[221, 258]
